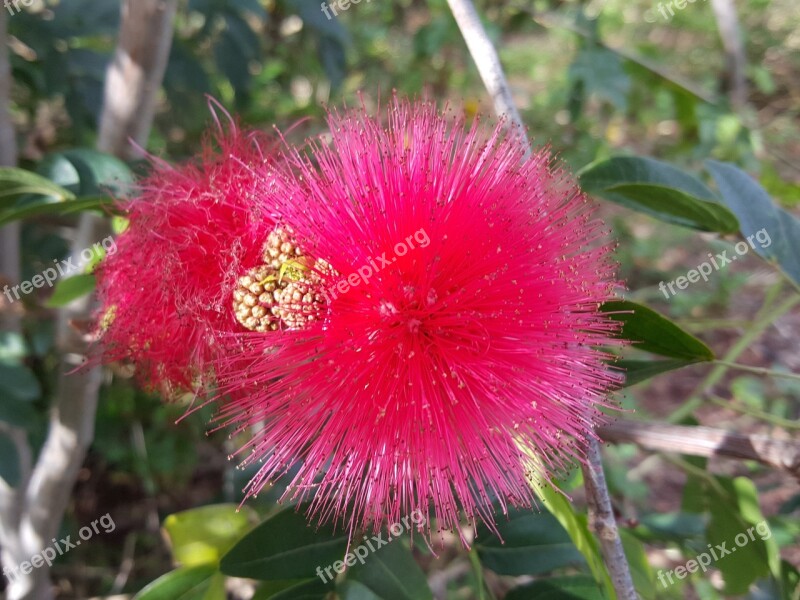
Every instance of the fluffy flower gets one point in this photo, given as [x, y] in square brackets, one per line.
[453, 346]
[165, 292]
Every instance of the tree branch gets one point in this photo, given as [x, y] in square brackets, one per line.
[706, 441]
[603, 523]
[731, 36]
[489, 66]
[135, 75]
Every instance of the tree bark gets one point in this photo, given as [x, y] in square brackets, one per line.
[731, 36]
[135, 75]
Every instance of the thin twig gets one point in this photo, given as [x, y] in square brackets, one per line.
[705, 441]
[758, 370]
[488, 63]
[765, 317]
[603, 523]
[754, 412]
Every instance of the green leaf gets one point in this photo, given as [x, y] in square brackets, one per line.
[675, 527]
[87, 172]
[600, 72]
[745, 564]
[577, 528]
[9, 466]
[313, 589]
[271, 589]
[578, 587]
[641, 573]
[284, 547]
[533, 543]
[353, 590]
[651, 332]
[732, 505]
[188, 583]
[18, 383]
[637, 371]
[65, 207]
[17, 414]
[762, 222]
[391, 573]
[203, 535]
[659, 190]
[70, 289]
[17, 183]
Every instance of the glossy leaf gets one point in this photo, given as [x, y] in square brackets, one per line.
[391, 573]
[577, 528]
[189, 583]
[577, 587]
[66, 207]
[18, 183]
[651, 332]
[87, 172]
[203, 535]
[660, 190]
[756, 212]
[284, 546]
[312, 589]
[533, 543]
[637, 371]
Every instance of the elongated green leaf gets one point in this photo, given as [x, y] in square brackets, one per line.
[637, 371]
[203, 535]
[578, 587]
[64, 207]
[641, 573]
[391, 573]
[284, 547]
[275, 589]
[651, 332]
[72, 288]
[189, 583]
[773, 233]
[533, 543]
[577, 528]
[312, 589]
[17, 183]
[660, 190]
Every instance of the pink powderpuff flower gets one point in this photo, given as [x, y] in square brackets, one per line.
[442, 342]
[165, 292]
